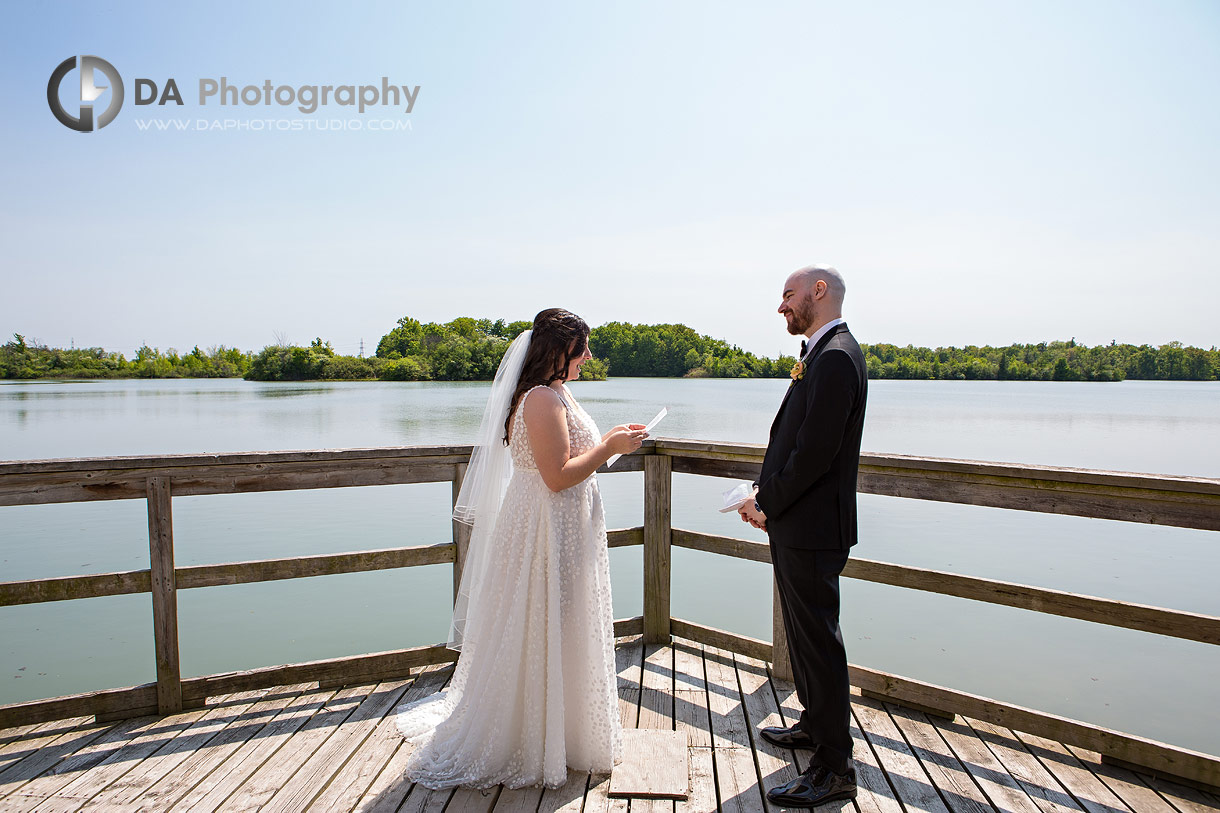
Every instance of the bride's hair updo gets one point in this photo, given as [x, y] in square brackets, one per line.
[558, 339]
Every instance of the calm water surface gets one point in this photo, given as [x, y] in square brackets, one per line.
[1161, 688]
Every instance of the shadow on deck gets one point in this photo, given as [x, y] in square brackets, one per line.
[295, 748]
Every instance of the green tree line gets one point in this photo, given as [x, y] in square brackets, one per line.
[468, 349]
[1046, 361]
[677, 350]
[22, 359]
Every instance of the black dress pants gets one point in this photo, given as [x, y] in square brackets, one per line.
[808, 582]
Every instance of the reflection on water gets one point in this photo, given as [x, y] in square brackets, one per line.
[25, 391]
[289, 391]
[1117, 678]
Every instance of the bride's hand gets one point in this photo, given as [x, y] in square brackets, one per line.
[622, 427]
[625, 440]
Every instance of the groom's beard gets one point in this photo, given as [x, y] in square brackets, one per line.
[801, 317]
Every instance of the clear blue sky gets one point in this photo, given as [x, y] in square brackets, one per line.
[981, 172]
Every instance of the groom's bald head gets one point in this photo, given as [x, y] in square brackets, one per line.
[813, 295]
[808, 277]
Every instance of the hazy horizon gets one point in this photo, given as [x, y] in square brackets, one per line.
[370, 345]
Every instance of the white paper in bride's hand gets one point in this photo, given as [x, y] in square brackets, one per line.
[735, 497]
[664, 411]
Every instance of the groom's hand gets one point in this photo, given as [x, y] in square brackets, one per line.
[752, 515]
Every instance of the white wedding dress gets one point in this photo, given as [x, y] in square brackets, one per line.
[534, 691]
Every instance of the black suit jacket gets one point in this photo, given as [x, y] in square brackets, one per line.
[807, 487]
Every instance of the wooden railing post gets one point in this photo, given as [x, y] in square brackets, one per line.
[461, 532]
[781, 665]
[658, 485]
[164, 596]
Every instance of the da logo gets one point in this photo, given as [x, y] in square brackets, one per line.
[90, 66]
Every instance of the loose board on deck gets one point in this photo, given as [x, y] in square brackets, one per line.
[655, 765]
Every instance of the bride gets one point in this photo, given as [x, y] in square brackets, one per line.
[534, 690]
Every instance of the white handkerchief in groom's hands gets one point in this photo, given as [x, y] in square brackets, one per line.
[736, 497]
[656, 420]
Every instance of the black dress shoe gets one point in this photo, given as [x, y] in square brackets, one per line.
[794, 737]
[815, 786]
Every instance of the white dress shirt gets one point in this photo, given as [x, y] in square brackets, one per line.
[812, 341]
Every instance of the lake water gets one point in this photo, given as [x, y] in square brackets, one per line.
[1162, 688]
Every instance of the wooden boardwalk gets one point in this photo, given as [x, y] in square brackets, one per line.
[295, 748]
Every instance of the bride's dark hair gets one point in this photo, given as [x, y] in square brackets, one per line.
[558, 339]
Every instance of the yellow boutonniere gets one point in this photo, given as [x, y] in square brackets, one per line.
[798, 371]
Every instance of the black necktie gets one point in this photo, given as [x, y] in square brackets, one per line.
[802, 349]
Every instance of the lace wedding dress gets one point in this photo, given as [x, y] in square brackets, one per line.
[534, 691]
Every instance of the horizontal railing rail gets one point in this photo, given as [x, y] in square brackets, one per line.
[1160, 499]
[1188, 502]
[1143, 617]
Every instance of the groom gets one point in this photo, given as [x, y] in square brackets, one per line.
[805, 499]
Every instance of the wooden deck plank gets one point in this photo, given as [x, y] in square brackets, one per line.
[146, 736]
[261, 785]
[907, 776]
[654, 771]
[568, 797]
[656, 710]
[724, 700]
[346, 789]
[775, 765]
[518, 800]
[628, 707]
[737, 780]
[737, 784]
[789, 706]
[597, 797]
[1001, 788]
[1089, 792]
[351, 783]
[473, 800]
[688, 666]
[690, 695]
[1188, 800]
[391, 787]
[702, 796]
[246, 746]
[178, 788]
[629, 661]
[388, 789]
[7, 735]
[1123, 783]
[341, 752]
[425, 800]
[312, 777]
[34, 736]
[219, 712]
[1035, 780]
[957, 789]
[40, 757]
[692, 717]
[874, 792]
[656, 688]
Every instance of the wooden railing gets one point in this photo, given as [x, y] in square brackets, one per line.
[1166, 500]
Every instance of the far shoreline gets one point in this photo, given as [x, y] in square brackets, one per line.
[101, 379]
